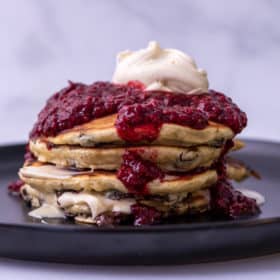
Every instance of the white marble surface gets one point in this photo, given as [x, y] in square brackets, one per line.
[45, 43]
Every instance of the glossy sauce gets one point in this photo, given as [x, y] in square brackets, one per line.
[140, 113]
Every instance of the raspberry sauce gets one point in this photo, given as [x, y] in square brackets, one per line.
[140, 113]
[28, 156]
[144, 215]
[135, 173]
[14, 187]
[230, 203]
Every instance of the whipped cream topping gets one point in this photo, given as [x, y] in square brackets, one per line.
[161, 69]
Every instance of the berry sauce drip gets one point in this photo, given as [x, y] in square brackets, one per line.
[135, 173]
[14, 187]
[142, 122]
[225, 200]
[230, 203]
[28, 156]
[144, 215]
[140, 113]
[220, 164]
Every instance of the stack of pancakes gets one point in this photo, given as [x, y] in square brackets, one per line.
[83, 173]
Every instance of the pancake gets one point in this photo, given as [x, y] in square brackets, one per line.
[102, 131]
[238, 170]
[198, 203]
[198, 200]
[47, 178]
[90, 207]
[167, 158]
[237, 145]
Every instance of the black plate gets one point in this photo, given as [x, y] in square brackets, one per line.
[199, 241]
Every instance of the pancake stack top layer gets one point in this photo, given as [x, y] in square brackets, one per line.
[110, 153]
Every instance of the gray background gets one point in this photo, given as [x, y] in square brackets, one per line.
[45, 43]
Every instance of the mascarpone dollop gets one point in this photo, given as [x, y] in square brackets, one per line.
[161, 69]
